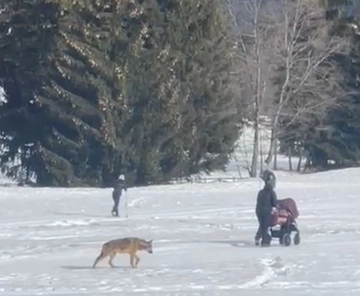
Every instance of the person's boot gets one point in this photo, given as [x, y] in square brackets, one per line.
[265, 243]
[114, 212]
[257, 242]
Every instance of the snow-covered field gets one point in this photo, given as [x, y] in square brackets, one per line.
[203, 240]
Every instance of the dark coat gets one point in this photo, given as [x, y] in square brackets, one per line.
[119, 185]
[266, 200]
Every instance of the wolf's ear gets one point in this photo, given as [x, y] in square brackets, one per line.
[150, 241]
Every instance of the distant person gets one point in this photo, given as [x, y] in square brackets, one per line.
[119, 186]
[266, 201]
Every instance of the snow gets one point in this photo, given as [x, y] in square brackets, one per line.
[2, 96]
[203, 240]
[203, 237]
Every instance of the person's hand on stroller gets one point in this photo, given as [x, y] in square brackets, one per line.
[279, 206]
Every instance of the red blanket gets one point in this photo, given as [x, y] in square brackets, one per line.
[290, 205]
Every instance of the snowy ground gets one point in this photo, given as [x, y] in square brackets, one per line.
[203, 240]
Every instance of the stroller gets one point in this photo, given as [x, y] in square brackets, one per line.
[284, 222]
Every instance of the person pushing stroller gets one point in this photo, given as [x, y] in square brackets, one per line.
[266, 201]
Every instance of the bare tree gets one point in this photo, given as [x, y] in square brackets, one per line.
[286, 70]
[252, 32]
[303, 50]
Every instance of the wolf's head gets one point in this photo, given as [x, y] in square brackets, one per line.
[147, 246]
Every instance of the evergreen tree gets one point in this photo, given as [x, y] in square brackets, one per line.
[77, 106]
[340, 142]
[76, 100]
[211, 104]
[138, 87]
[185, 98]
[26, 35]
[63, 95]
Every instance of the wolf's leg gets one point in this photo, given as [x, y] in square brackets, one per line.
[132, 257]
[100, 257]
[137, 260]
[112, 256]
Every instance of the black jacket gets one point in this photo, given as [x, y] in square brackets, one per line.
[119, 185]
[266, 200]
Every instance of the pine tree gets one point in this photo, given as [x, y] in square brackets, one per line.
[340, 142]
[137, 87]
[70, 91]
[215, 127]
[190, 115]
[26, 35]
[70, 153]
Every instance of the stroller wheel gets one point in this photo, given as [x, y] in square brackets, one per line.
[287, 239]
[281, 235]
[297, 238]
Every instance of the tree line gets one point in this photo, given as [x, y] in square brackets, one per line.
[98, 88]
[161, 89]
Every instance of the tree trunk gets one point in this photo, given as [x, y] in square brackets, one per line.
[261, 152]
[290, 160]
[272, 147]
[299, 163]
[255, 156]
[275, 155]
[282, 97]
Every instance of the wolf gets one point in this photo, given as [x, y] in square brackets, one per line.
[127, 245]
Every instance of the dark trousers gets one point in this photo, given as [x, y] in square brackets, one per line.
[263, 233]
[116, 198]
